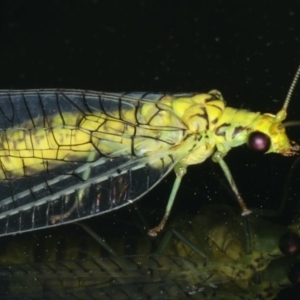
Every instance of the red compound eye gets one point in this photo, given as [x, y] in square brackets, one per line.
[289, 243]
[259, 142]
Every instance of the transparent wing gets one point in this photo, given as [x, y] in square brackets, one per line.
[66, 155]
[136, 277]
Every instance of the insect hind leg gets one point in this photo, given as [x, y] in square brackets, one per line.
[180, 171]
[79, 196]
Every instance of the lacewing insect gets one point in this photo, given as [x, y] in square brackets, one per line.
[66, 155]
[197, 256]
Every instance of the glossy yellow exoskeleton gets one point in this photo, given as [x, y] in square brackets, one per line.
[196, 257]
[66, 155]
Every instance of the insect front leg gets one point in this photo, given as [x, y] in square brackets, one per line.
[180, 171]
[218, 158]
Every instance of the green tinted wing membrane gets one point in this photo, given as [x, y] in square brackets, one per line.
[120, 277]
[42, 188]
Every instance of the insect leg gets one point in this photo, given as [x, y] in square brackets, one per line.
[79, 195]
[180, 171]
[97, 238]
[217, 157]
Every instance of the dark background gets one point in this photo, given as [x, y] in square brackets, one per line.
[248, 50]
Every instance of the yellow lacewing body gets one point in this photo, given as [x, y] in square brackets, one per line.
[66, 155]
[196, 257]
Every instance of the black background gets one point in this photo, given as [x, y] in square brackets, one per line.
[248, 50]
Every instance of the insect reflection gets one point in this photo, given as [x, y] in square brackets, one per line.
[231, 257]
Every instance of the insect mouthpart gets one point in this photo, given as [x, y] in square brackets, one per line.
[293, 150]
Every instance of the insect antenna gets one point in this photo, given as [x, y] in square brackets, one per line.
[291, 124]
[288, 99]
[281, 115]
[291, 89]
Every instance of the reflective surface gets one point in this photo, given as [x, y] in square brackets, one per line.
[198, 256]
